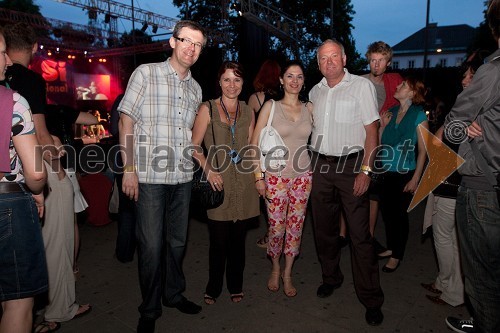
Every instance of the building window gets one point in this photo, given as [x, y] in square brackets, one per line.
[411, 63]
[458, 62]
[395, 64]
[428, 63]
[442, 62]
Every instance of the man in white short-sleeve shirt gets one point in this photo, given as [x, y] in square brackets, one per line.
[344, 136]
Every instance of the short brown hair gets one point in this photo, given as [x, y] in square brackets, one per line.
[191, 25]
[20, 36]
[379, 47]
[233, 65]
[493, 17]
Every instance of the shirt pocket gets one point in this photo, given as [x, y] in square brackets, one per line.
[345, 111]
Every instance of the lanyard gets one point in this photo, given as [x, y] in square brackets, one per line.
[233, 126]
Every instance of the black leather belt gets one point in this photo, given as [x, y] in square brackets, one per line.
[10, 187]
[336, 159]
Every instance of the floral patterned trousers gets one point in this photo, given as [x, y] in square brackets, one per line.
[286, 201]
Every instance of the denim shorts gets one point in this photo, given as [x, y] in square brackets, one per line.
[22, 254]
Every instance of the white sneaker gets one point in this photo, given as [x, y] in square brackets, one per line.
[460, 325]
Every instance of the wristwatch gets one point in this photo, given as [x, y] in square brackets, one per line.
[366, 170]
[258, 175]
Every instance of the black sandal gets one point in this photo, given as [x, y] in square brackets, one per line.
[209, 300]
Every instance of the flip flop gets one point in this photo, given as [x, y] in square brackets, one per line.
[45, 326]
[84, 312]
[209, 300]
[236, 298]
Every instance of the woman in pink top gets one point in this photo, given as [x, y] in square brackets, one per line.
[286, 188]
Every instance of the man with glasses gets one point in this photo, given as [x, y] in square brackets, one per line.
[157, 114]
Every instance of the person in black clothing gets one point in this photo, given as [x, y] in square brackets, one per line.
[125, 240]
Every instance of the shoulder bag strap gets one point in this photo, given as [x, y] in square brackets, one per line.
[213, 134]
[271, 115]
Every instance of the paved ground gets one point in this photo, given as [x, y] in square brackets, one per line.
[113, 290]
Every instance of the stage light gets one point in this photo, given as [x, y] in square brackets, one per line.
[90, 60]
[155, 28]
[85, 52]
[144, 26]
[92, 14]
[57, 50]
[49, 53]
[236, 7]
[107, 18]
[41, 47]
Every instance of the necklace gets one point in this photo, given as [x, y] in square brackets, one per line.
[229, 118]
[233, 153]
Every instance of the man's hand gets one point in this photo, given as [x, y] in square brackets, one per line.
[130, 185]
[474, 130]
[40, 203]
[361, 184]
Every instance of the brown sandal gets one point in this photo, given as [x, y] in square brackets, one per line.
[288, 287]
[273, 284]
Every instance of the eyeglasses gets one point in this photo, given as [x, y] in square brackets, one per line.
[188, 42]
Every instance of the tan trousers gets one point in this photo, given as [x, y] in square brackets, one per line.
[59, 237]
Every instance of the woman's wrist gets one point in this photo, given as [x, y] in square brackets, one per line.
[258, 175]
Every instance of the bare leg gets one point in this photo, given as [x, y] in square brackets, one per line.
[288, 287]
[273, 284]
[17, 316]
[343, 228]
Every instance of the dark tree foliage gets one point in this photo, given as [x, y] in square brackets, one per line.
[222, 23]
[134, 37]
[25, 6]
[484, 40]
[312, 16]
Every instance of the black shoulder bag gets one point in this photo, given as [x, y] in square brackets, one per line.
[201, 190]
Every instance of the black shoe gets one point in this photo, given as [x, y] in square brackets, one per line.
[386, 269]
[326, 290]
[374, 317]
[186, 306]
[146, 325]
[460, 325]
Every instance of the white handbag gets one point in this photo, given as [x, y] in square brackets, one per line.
[271, 145]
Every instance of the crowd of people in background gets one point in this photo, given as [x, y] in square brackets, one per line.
[353, 144]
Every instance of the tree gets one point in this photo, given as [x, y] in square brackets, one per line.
[484, 38]
[312, 16]
[222, 23]
[25, 6]
[134, 37]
